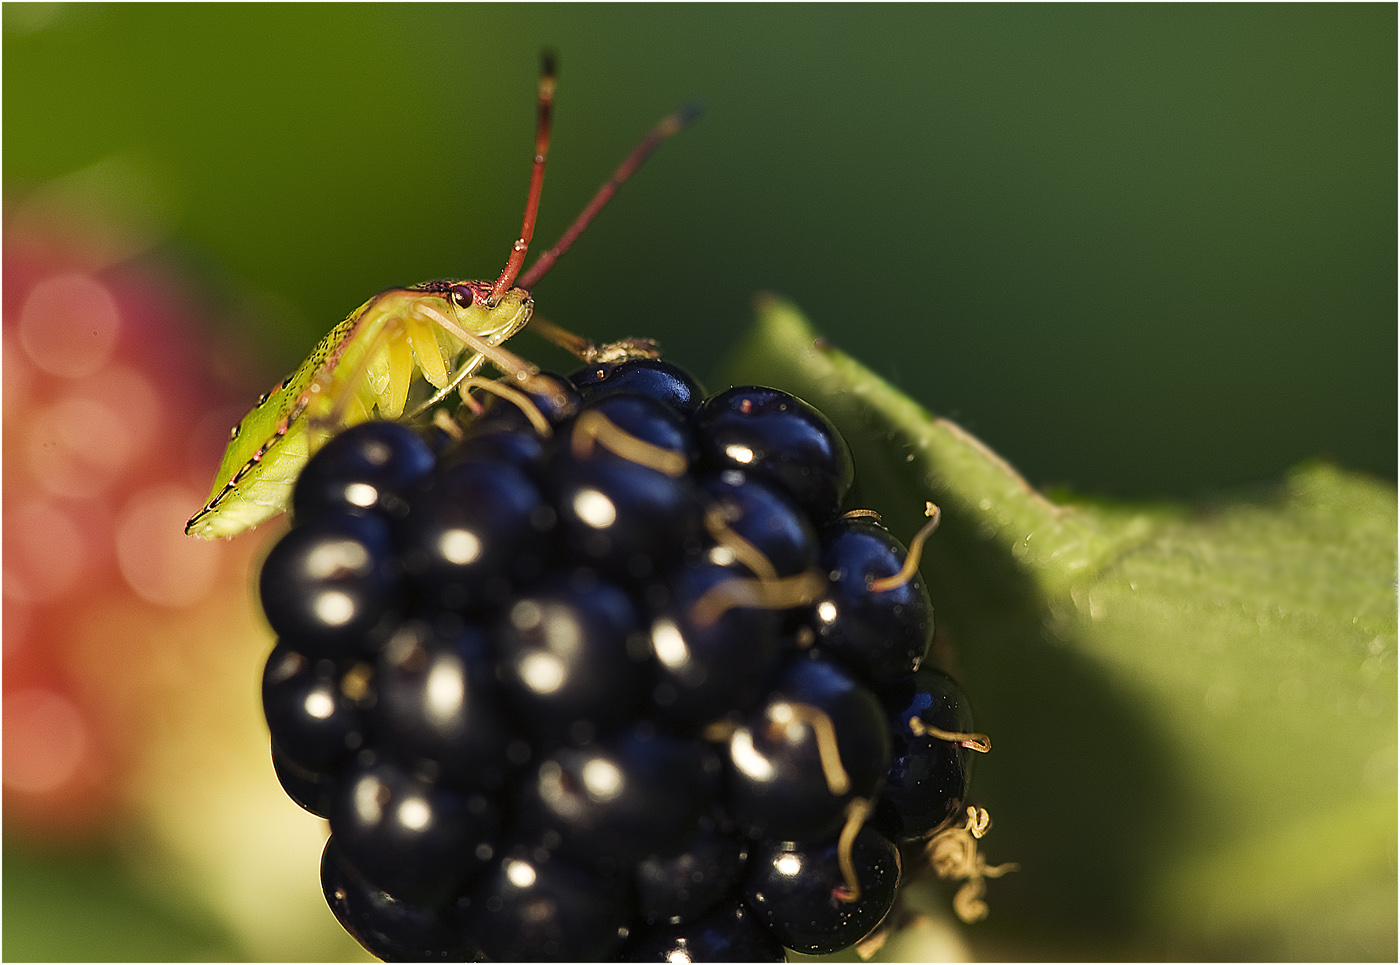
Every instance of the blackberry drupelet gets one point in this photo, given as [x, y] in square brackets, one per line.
[607, 675]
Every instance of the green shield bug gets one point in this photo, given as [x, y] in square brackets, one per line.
[440, 330]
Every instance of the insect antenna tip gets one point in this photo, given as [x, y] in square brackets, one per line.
[690, 113]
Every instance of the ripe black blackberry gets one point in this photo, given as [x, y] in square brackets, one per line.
[609, 676]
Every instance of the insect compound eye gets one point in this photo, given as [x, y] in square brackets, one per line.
[465, 294]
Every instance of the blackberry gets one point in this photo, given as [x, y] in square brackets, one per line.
[653, 378]
[409, 835]
[605, 674]
[311, 790]
[672, 888]
[871, 616]
[780, 439]
[313, 708]
[363, 472]
[728, 932]
[928, 774]
[331, 586]
[436, 706]
[570, 657]
[762, 517]
[616, 801]
[479, 529]
[533, 905]
[620, 478]
[817, 745]
[707, 663]
[800, 889]
[389, 928]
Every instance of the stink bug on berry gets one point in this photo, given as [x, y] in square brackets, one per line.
[441, 330]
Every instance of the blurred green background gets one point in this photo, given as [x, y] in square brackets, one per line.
[1142, 251]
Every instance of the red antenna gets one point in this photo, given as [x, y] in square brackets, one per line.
[532, 200]
[665, 128]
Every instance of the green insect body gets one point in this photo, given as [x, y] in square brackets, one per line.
[362, 369]
[366, 366]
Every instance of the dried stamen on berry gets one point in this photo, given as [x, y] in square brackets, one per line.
[862, 514]
[514, 396]
[783, 714]
[472, 405]
[869, 946]
[468, 368]
[953, 854]
[355, 683]
[780, 594]
[406, 653]
[980, 743]
[969, 904]
[719, 731]
[979, 821]
[289, 665]
[717, 525]
[856, 812]
[628, 348]
[447, 424]
[592, 426]
[916, 549]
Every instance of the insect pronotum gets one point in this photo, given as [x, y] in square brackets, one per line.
[442, 330]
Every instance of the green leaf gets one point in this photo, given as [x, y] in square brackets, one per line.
[65, 906]
[1193, 708]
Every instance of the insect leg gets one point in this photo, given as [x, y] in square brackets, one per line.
[575, 345]
[587, 351]
[345, 392]
[464, 371]
[508, 362]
